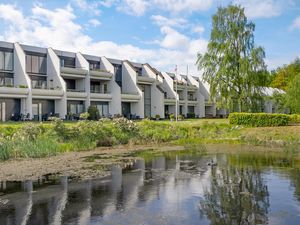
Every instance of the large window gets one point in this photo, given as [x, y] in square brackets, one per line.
[6, 79]
[75, 107]
[36, 64]
[67, 62]
[6, 60]
[102, 108]
[38, 82]
[118, 74]
[94, 65]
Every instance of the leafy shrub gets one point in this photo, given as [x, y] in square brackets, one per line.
[93, 113]
[125, 124]
[84, 116]
[190, 115]
[295, 118]
[259, 119]
[180, 117]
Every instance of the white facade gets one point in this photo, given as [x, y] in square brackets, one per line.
[36, 83]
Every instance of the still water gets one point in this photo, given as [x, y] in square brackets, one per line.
[242, 188]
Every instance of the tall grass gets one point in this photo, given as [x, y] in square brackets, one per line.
[42, 140]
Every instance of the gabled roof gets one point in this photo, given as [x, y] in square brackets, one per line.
[269, 91]
[154, 70]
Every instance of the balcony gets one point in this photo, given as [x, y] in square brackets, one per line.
[130, 97]
[101, 96]
[47, 93]
[170, 100]
[73, 72]
[100, 74]
[192, 101]
[180, 86]
[145, 80]
[20, 91]
[208, 103]
[192, 88]
[76, 94]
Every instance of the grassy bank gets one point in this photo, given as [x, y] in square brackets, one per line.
[51, 138]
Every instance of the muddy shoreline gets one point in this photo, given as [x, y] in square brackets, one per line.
[95, 163]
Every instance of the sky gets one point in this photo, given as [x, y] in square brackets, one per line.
[163, 33]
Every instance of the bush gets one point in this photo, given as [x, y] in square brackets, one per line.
[84, 116]
[295, 118]
[259, 119]
[190, 115]
[172, 117]
[93, 113]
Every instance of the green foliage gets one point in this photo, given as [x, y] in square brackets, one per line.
[295, 118]
[93, 113]
[232, 66]
[190, 115]
[284, 75]
[259, 119]
[84, 116]
[293, 95]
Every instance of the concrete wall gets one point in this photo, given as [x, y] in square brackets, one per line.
[53, 70]
[129, 85]
[84, 84]
[157, 97]
[22, 78]
[115, 104]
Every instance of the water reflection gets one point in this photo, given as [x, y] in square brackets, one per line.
[179, 190]
[236, 196]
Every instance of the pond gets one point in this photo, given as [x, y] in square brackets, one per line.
[170, 188]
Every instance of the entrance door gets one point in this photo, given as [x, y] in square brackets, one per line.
[126, 111]
[147, 101]
[1, 116]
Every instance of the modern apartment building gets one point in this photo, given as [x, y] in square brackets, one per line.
[36, 83]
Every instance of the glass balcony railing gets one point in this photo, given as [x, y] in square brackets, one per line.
[74, 90]
[6, 82]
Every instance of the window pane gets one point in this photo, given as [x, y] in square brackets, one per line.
[43, 65]
[8, 61]
[73, 108]
[35, 109]
[9, 81]
[79, 109]
[105, 110]
[28, 63]
[35, 64]
[1, 60]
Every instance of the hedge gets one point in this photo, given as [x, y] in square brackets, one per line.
[259, 119]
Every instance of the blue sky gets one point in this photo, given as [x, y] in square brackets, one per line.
[164, 33]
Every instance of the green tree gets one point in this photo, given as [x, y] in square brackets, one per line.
[293, 95]
[232, 66]
[283, 75]
[93, 113]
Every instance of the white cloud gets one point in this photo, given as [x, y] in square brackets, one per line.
[173, 39]
[198, 29]
[107, 3]
[171, 22]
[94, 22]
[295, 24]
[133, 7]
[40, 26]
[139, 7]
[263, 8]
[177, 6]
[91, 7]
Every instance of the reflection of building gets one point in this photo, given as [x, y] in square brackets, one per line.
[36, 83]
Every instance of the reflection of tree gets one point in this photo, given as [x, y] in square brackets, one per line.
[295, 180]
[236, 197]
